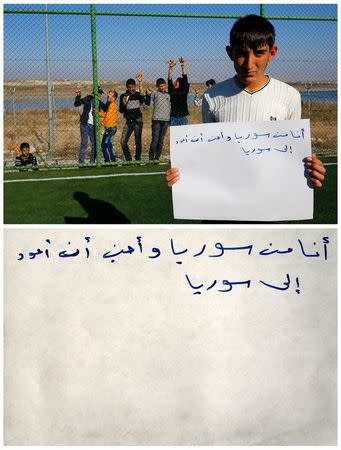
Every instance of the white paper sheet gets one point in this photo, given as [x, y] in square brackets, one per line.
[242, 171]
[170, 336]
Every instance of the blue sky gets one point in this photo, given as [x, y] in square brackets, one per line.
[125, 45]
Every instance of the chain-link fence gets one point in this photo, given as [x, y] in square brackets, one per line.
[52, 51]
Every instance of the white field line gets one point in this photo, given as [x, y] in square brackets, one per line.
[100, 176]
[85, 177]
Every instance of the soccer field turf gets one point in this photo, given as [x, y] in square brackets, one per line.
[76, 196]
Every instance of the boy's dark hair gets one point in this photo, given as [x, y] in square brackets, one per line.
[252, 31]
[24, 145]
[211, 82]
[160, 81]
[130, 82]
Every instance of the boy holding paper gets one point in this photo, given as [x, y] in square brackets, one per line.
[251, 95]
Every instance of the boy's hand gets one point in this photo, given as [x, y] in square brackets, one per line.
[171, 63]
[149, 91]
[17, 150]
[182, 61]
[316, 170]
[78, 92]
[197, 92]
[172, 176]
[139, 77]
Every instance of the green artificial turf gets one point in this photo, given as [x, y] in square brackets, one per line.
[126, 199]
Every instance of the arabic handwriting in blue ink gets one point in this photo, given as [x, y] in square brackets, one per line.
[87, 251]
[182, 140]
[279, 135]
[257, 135]
[230, 284]
[247, 152]
[197, 138]
[284, 149]
[220, 136]
[129, 250]
[46, 250]
[267, 251]
[65, 254]
[32, 255]
[139, 242]
[286, 284]
[219, 246]
[193, 286]
[212, 285]
[216, 138]
[261, 150]
[157, 252]
[311, 255]
[200, 252]
[307, 249]
[110, 255]
[227, 283]
[299, 134]
[295, 134]
[325, 241]
[180, 252]
[237, 138]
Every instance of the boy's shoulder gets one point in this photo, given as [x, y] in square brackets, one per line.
[282, 85]
[160, 94]
[230, 87]
[284, 92]
[160, 97]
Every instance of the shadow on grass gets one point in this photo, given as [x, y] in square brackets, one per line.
[99, 211]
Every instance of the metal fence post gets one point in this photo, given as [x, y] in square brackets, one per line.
[95, 83]
[49, 89]
[262, 10]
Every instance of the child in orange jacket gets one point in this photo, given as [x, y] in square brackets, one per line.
[109, 121]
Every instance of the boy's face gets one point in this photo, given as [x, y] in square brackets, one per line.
[162, 87]
[25, 151]
[131, 88]
[250, 64]
[177, 83]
